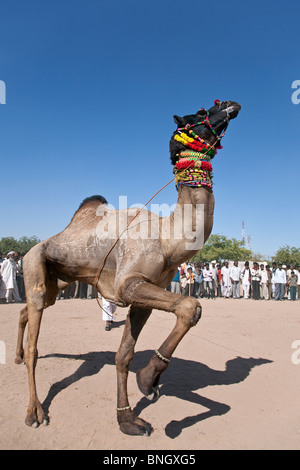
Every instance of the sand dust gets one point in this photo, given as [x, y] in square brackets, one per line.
[233, 382]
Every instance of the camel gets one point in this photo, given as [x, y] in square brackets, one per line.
[139, 253]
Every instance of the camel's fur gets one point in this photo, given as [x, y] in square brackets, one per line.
[135, 274]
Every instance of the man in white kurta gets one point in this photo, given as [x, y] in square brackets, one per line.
[108, 310]
[9, 281]
[225, 280]
[246, 276]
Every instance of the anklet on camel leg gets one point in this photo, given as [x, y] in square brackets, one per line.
[124, 408]
[161, 357]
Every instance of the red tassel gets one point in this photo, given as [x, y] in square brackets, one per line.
[217, 102]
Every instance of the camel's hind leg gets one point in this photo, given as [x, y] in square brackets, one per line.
[35, 413]
[40, 292]
[128, 422]
[21, 329]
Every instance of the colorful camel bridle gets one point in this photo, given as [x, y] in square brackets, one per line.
[193, 167]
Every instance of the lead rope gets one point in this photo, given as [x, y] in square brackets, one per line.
[100, 269]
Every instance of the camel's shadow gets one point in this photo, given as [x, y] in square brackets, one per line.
[181, 380]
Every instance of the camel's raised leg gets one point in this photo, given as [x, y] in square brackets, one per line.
[128, 422]
[21, 329]
[145, 296]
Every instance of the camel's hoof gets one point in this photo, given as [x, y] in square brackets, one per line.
[133, 429]
[35, 418]
[19, 360]
[154, 395]
[132, 425]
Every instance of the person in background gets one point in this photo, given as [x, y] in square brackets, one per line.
[9, 278]
[226, 282]
[219, 279]
[292, 281]
[108, 310]
[246, 279]
[280, 282]
[190, 276]
[269, 274]
[274, 268]
[198, 283]
[214, 277]
[255, 277]
[20, 279]
[175, 284]
[183, 283]
[235, 277]
[207, 281]
[264, 292]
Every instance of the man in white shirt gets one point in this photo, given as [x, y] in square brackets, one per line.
[207, 280]
[264, 292]
[225, 280]
[298, 283]
[255, 279]
[246, 275]
[9, 273]
[235, 277]
[280, 282]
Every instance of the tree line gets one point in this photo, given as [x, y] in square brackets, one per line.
[220, 248]
[217, 247]
[21, 246]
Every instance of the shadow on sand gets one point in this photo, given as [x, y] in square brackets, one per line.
[181, 380]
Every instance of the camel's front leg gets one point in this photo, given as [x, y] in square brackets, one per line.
[128, 422]
[143, 295]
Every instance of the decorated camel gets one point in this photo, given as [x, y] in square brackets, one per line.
[131, 256]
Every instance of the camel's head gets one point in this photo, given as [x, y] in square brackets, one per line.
[207, 125]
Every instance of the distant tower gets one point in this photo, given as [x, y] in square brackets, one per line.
[249, 244]
[243, 233]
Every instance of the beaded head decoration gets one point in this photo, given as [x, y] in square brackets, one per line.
[195, 142]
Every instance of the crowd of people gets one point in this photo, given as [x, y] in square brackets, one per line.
[210, 280]
[238, 280]
[12, 287]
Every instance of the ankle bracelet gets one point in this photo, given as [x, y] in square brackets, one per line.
[164, 359]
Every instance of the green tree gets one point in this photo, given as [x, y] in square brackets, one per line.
[21, 246]
[25, 243]
[8, 244]
[287, 255]
[219, 247]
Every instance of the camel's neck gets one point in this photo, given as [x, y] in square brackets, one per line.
[189, 226]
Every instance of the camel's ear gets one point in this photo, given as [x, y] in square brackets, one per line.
[201, 112]
[178, 120]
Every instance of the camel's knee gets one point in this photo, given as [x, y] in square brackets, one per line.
[38, 295]
[189, 310]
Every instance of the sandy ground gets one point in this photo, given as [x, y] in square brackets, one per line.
[233, 383]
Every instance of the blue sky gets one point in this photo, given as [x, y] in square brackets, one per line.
[91, 90]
